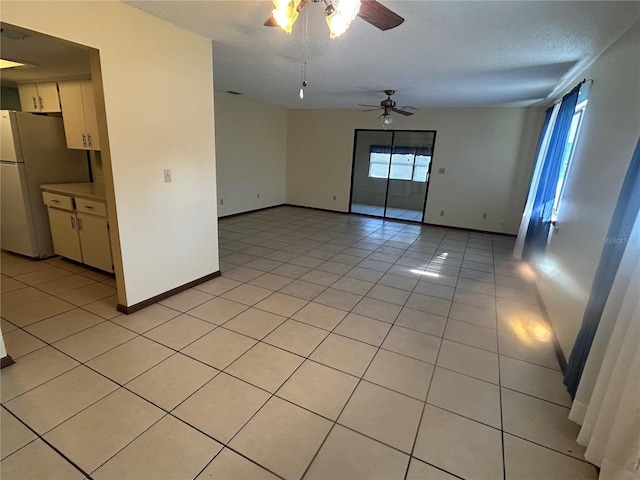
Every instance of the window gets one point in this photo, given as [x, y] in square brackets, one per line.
[567, 155]
[399, 163]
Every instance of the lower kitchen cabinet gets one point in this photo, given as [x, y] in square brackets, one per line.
[80, 230]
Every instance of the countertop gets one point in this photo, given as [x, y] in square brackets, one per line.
[91, 191]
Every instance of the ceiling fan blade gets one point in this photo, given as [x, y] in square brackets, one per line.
[378, 15]
[402, 112]
[364, 105]
[371, 109]
[270, 22]
[406, 107]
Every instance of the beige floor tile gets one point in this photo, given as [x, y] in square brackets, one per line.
[321, 389]
[459, 445]
[19, 342]
[7, 326]
[180, 331]
[353, 285]
[41, 276]
[111, 281]
[338, 299]
[469, 361]
[222, 406]
[59, 399]
[38, 461]
[422, 321]
[321, 277]
[296, 337]
[172, 380]
[281, 304]
[364, 274]
[389, 294]
[94, 275]
[528, 349]
[263, 264]
[32, 370]
[13, 434]
[231, 466]
[382, 414]
[94, 341]
[64, 284]
[265, 366]
[219, 348]
[241, 274]
[147, 318]
[521, 295]
[87, 294]
[321, 316]
[470, 314]
[282, 437]
[130, 359]
[66, 264]
[400, 373]
[345, 354]
[347, 455]
[247, 294]
[105, 308]
[364, 329]
[403, 282]
[336, 268]
[254, 323]
[97, 433]
[472, 335]
[475, 299]
[35, 311]
[186, 300]
[534, 380]
[412, 344]
[514, 316]
[10, 284]
[218, 310]
[62, 325]
[157, 454]
[271, 281]
[541, 422]
[435, 290]
[486, 288]
[466, 396]
[426, 303]
[420, 471]
[525, 460]
[377, 309]
[302, 289]
[217, 286]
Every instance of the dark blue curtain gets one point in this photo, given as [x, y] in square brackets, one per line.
[614, 246]
[380, 149]
[426, 151]
[538, 230]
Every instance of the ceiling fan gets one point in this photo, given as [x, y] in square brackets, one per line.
[388, 106]
[338, 13]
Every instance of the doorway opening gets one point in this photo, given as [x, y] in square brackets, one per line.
[390, 173]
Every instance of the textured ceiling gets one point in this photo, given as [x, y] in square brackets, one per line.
[446, 53]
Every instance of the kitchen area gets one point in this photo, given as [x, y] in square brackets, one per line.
[52, 181]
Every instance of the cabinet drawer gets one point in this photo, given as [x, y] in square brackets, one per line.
[91, 206]
[57, 200]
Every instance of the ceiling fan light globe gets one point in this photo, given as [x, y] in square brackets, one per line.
[285, 13]
[387, 119]
[340, 16]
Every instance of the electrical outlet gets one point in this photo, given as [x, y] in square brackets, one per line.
[221, 201]
[441, 170]
[167, 175]
[442, 213]
[484, 215]
[334, 198]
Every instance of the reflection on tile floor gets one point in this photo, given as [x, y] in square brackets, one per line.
[332, 346]
[395, 213]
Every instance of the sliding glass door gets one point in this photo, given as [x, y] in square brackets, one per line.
[390, 175]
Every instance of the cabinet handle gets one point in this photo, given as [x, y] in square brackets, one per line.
[41, 103]
[84, 140]
[73, 224]
[35, 105]
[88, 207]
[55, 201]
[89, 137]
[79, 224]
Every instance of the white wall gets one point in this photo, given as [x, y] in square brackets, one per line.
[251, 138]
[609, 133]
[157, 84]
[487, 154]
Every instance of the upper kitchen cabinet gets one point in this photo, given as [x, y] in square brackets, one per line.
[79, 114]
[39, 97]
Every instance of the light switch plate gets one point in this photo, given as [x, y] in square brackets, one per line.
[167, 175]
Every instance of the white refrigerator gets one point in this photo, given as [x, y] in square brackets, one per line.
[33, 152]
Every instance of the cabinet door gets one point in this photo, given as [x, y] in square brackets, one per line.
[73, 114]
[64, 232]
[94, 238]
[90, 117]
[48, 98]
[29, 97]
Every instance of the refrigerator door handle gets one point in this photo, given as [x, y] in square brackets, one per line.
[73, 223]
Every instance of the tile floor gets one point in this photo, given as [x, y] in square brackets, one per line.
[332, 346]
[395, 213]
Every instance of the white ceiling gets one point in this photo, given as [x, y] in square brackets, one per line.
[445, 54]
